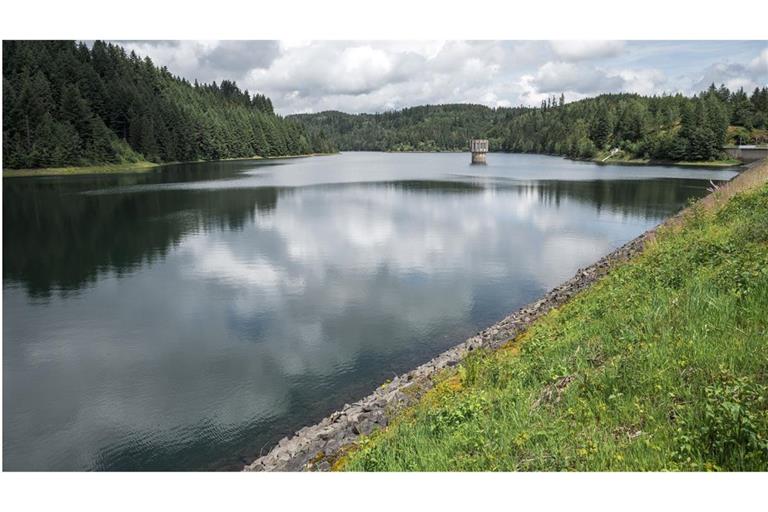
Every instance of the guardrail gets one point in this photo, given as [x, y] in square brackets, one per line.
[747, 154]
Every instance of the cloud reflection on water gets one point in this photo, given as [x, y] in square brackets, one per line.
[266, 307]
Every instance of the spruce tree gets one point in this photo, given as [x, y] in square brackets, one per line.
[66, 103]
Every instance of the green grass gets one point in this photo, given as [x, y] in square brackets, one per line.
[123, 168]
[727, 162]
[661, 365]
[92, 169]
[623, 158]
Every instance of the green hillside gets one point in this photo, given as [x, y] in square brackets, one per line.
[65, 104]
[669, 128]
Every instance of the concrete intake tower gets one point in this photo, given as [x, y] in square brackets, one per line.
[479, 149]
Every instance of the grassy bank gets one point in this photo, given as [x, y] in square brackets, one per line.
[124, 168]
[715, 164]
[661, 365]
[622, 158]
[91, 169]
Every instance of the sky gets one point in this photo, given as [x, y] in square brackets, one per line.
[376, 76]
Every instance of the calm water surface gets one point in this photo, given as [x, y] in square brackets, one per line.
[190, 317]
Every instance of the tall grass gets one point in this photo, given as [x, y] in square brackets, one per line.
[662, 365]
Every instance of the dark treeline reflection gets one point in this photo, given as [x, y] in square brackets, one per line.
[57, 236]
[652, 199]
[456, 187]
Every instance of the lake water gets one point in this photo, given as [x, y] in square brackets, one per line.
[189, 317]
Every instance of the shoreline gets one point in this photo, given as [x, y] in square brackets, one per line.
[130, 168]
[319, 447]
[141, 167]
[714, 164]
[136, 167]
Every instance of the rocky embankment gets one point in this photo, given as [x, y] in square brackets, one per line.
[315, 448]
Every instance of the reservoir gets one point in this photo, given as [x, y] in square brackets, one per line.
[189, 317]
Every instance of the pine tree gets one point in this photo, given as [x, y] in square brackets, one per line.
[601, 129]
[741, 109]
[67, 103]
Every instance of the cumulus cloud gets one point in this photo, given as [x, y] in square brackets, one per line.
[642, 81]
[375, 76]
[207, 61]
[314, 71]
[584, 50]
[580, 80]
[735, 75]
[366, 76]
[239, 56]
[760, 63]
[566, 76]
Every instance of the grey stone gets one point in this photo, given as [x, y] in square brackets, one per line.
[326, 433]
[355, 409]
[365, 427]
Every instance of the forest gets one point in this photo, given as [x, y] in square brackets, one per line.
[423, 128]
[68, 104]
[663, 128]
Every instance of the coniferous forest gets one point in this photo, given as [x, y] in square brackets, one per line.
[667, 127]
[423, 128]
[65, 104]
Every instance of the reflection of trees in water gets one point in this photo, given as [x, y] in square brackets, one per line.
[206, 171]
[645, 199]
[400, 185]
[432, 186]
[56, 237]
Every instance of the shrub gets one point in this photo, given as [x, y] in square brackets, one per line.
[731, 432]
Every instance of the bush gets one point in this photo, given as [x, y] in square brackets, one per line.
[732, 431]
[454, 411]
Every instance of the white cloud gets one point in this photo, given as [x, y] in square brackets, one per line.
[735, 75]
[374, 76]
[313, 71]
[581, 80]
[567, 76]
[207, 60]
[643, 81]
[585, 50]
[760, 63]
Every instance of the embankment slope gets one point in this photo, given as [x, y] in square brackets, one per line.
[655, 357]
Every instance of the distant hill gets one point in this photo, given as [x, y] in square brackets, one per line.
[424, 128]
[667, 127]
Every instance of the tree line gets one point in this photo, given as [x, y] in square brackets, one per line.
[665, 127]
[423, 128]
[67, 104]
